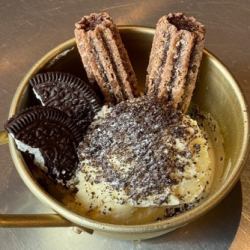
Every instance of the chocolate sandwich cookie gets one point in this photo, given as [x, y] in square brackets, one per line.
[67, 93]
[105, 58]
[175, 59]
[51, 137]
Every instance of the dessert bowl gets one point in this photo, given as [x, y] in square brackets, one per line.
[217, 94]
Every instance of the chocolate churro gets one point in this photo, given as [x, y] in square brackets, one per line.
[105, 58]
[175, 59]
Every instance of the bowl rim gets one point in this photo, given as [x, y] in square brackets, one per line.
[170, 223]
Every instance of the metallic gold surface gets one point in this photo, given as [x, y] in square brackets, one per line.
[217, 93]
[30, 28]
[3, 138]
[37, 220]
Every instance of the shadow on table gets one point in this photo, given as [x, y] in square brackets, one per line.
[216, 230]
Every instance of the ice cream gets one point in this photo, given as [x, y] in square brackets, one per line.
[139, 158]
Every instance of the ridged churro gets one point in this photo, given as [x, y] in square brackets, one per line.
[105, 58]
[175, 59]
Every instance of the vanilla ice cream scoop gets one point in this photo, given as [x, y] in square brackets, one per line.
[140, 154]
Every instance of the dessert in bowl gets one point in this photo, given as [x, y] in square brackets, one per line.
[225, 174]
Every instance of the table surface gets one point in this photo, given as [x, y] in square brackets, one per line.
[28, 29]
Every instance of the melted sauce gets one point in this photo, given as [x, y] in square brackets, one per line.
[67, 197]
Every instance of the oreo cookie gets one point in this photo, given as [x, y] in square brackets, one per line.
[67, 93]
[51, 137]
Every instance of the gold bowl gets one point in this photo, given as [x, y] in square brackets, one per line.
[216, 93]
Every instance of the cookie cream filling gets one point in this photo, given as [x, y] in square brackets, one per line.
[38, 158]
[38, 97]
[139, 157]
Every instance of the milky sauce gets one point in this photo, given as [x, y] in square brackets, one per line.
[101, 202]
[81, 202]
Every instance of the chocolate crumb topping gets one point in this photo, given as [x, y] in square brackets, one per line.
[135, 148]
